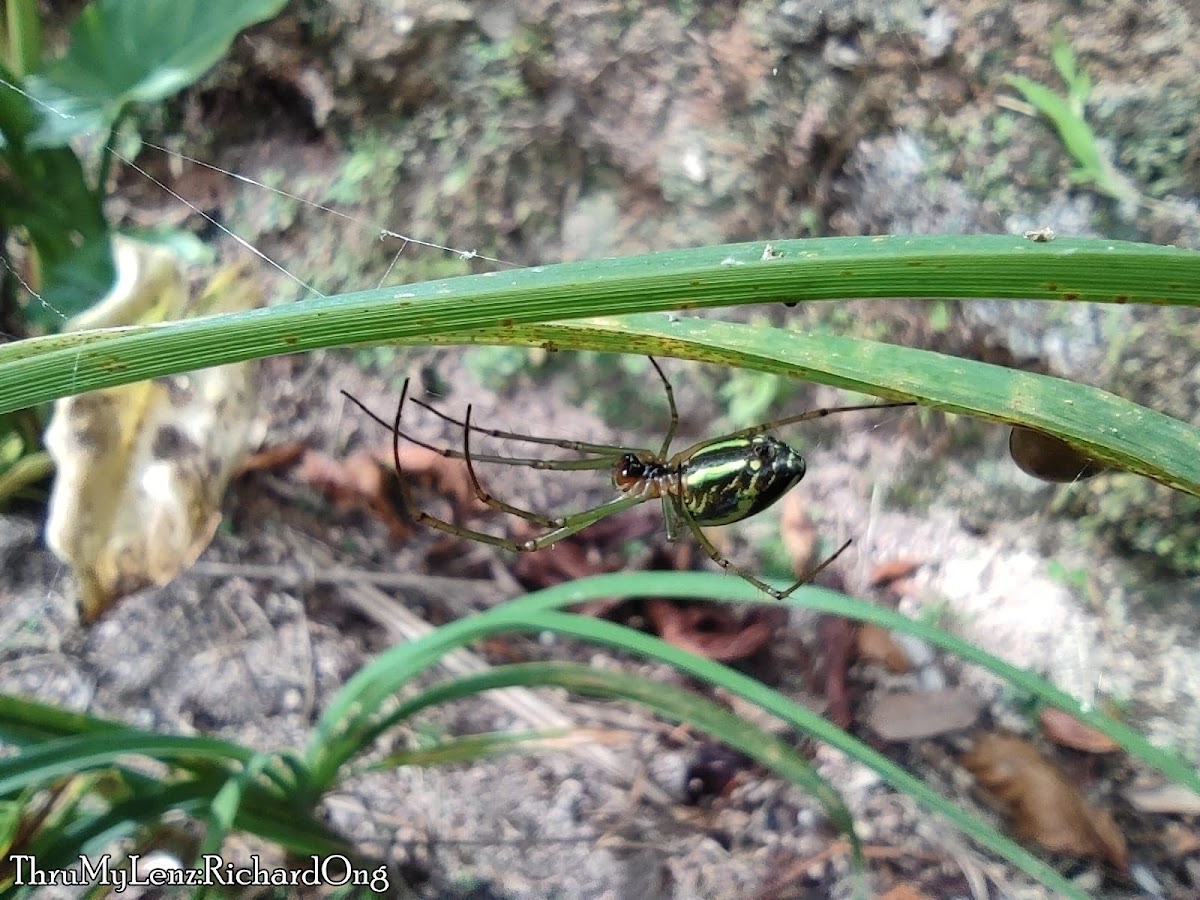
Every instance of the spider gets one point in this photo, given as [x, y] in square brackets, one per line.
[713, 482]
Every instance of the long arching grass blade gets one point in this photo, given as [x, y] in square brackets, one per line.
[995, 266]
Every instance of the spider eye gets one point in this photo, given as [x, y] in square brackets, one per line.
[630, 466]
[762, 451]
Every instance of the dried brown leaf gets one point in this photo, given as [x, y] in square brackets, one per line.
[798, 534]
[886, 574]
[836, 638]
[358, 482]
[1041, 802]
[909, 715]
[447, 476]
[1067, 731]
[876, 644]
[904, 892]
[277, 457]
[712, 630]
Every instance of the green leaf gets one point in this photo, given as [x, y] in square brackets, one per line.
[17, 115]
[45, 193]
[71, 755]
[126, 51]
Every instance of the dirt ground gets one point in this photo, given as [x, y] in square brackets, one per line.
[540, 131]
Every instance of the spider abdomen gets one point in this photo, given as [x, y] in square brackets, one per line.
[732, 480]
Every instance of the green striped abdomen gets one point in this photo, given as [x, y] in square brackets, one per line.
[732, 480]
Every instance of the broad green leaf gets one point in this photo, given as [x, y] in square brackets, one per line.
[45, 193]
[124, 52]
[17, 115]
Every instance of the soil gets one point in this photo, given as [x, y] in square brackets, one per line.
[540, 131]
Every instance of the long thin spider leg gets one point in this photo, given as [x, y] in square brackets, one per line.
[711, 549]
[578, 446]
[491, 500]
[602, 462]
[674, 423]
[408, 509]
[817, 569]
[566, 527]
[787, 420]
[579, 521]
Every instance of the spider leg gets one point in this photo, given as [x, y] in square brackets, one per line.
[609, 450]
[711, 549]
[674, 423]
[491, 500]
[601, 462]
[561, 528]
[817, 569]
[788, 420]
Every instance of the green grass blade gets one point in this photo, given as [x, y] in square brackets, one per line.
[349, 725]
[24, 722]
[996, 266]
[291, 828]
[672, 702]
[700, 585]
[72, 755]
[600, 631]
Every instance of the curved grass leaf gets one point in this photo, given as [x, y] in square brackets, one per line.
[72, 755]
[95, 832]
[700, 585]
[996, 266]
[352, 722]
[672, 702]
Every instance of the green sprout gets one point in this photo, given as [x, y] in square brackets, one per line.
[1067, 115]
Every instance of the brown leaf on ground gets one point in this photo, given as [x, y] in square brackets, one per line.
[904, 892]
[909, 715]
[713, 630]
[1067, 731]
[279, 456]
[886, 574]
[798, 534]
[446, 476]
[358, 482]
[597, 549]
[1041, 802]
[876, 644]
[835, 636]
[366, 480]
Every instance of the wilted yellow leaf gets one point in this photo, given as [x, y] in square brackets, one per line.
[142, 468]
